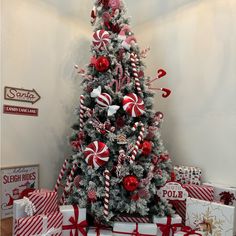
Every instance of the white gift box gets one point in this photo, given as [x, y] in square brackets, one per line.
[121, 229]
[219, 190]
[211, 217]
[168, 223]
[99, 232]
[196, 233]
[73, 215]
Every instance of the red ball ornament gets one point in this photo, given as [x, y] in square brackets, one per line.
[130, 183]
[146, 148]
[102, 64]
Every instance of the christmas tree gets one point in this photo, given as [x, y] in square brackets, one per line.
[119, 161]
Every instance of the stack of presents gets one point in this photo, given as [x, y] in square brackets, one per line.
[209, 209]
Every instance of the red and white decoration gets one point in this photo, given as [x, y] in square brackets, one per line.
[74, 220]
[96, 154]
[43, 224]
[186, 230]
[61, 174]
[134, 59]
[107, 193]
[139, 140]
[194, 191]
[134, 229]
[173, 191]
[101, 38]
[99, 231]
[45, 201]
[188, 174]
[167, 225]
[133, 105]
[104, 100]
[132, 219]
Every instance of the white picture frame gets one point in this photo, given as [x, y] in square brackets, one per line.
[15, 180]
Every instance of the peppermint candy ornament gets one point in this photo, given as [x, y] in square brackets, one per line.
[133, 105]
[96, 154]
[101, 38]
[104, 100]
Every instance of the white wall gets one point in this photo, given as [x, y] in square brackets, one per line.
[194, 40]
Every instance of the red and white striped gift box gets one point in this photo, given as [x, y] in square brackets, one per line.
[201, 192]
[132, 219]
[45, 201]
[46, 224]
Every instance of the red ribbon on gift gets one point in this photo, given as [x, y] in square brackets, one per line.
[99, 227]
[168, 227]
[134, 233]
[189, 231]
[78, 227]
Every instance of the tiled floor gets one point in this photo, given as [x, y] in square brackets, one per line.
[6, 227]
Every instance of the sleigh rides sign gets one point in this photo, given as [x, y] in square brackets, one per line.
[15, 183]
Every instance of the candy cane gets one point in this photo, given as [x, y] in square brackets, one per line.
[60, 176]
[107, 193]
[81, 114]
[134, 60]
[139, 140]
[69, 180]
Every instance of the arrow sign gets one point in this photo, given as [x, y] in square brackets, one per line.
[21, 95]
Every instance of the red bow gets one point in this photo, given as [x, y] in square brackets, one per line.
[189, 231]
[78, 227]
[168, 227]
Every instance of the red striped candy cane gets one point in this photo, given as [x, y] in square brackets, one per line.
[134, 60]
[81, 113]
[60, 176]
[107, 193]
[139, 140]
[69, 180]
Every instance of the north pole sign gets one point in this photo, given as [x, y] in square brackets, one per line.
[21, 95]
[173, 191]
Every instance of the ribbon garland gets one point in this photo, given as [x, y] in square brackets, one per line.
[168, 227]
[189, 231]
[134, 233]
[78, 227]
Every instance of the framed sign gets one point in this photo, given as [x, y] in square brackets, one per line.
[15, 181]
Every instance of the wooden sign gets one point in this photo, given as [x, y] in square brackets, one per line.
[173, 191]
[14, 182]
[21, 95]
[16, 110]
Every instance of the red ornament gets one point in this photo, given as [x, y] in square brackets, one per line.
[135, 197]
[92, 195]
[130, 183]
[77, 180]
[120, 122]
[102, 64]
[147, 148]
[96, 154]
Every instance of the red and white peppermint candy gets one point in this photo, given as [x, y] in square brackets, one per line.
[96, 154]
[104, 100]
[133, 105]
[101, 38]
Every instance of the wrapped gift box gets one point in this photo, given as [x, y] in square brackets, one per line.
[133, 229]
[188, 175]
[45, 201]
[185, 231]
[226, 195]
[201, 192]
[210, 217]
[44, 224]
[168, 225]
[99, 232]
[74, 220]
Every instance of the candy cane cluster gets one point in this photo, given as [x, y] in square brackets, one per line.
[139, 140]
[107, 193]
[134, 60]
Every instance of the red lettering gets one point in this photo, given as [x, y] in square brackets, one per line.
[164, 193]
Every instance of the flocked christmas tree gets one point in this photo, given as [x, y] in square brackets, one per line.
[119, 161]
